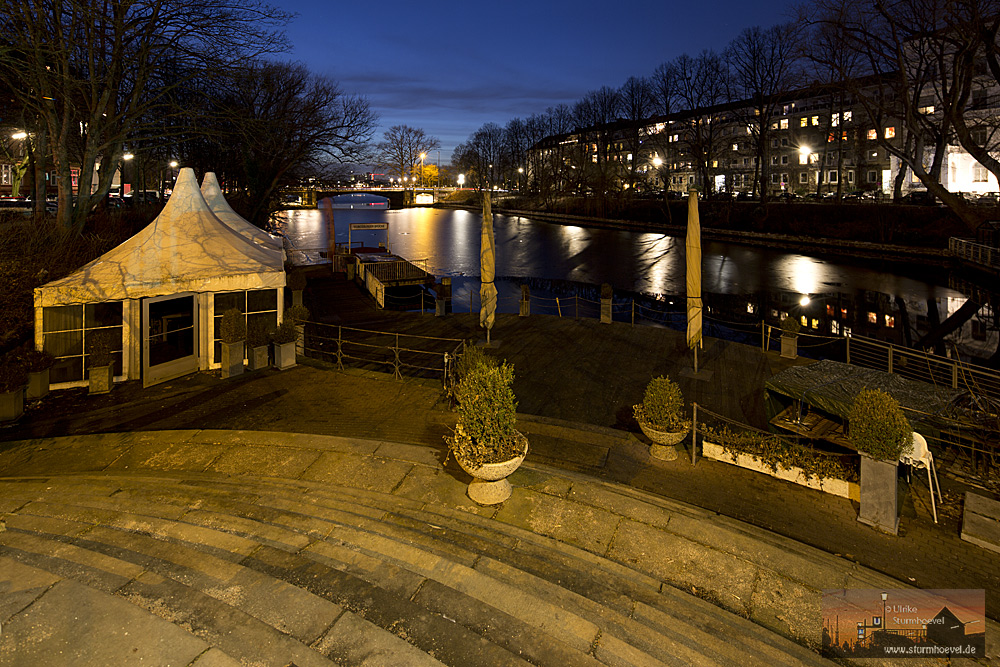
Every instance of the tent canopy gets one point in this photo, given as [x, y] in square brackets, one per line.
[831, 386]
[187, 248]
[223, 211]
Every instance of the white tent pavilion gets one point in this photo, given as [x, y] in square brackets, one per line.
[216, 201]
[165, 290]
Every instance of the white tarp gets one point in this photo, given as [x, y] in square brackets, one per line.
[216, 201]
[187, 248]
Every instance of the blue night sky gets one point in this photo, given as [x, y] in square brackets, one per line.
[450, 69]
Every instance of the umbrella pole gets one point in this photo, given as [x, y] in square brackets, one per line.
[695, 359]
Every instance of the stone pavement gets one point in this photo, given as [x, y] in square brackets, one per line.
[205, 547]
[752, 535]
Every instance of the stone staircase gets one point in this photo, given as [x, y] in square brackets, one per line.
[194, 568]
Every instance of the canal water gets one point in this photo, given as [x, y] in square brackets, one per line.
[555, 256]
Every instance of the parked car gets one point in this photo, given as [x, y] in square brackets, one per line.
[919, 198]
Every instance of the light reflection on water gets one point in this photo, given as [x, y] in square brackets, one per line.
[639, 262]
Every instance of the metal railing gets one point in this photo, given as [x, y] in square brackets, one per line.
[396, 270]
[404, 354]
[976, 253]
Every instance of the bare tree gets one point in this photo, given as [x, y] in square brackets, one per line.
[637, 103]
[664, 85]
[401, 147]
[762, 67]
[702, 89]
[482, 155]
[281, 119]
[92, 73]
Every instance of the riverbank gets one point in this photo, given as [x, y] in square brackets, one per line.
[827, 245]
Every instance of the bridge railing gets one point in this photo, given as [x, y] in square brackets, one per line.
[977, 253]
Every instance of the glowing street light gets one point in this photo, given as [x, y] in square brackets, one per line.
[19, 135]
[461, 180]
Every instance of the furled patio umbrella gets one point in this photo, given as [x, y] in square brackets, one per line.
[487, 261]
[692, 246]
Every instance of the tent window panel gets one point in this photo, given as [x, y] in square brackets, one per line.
[262, 300]
[64, 344]
[227, 300]
[102, 314]
[62, 318]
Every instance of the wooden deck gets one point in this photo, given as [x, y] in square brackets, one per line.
[813, 425]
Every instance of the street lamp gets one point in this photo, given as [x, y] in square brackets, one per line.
[520, 170]
[19, 135]
[422, 156]
[461, 180]
[885, 596]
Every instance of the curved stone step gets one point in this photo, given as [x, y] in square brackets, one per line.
[620, 636]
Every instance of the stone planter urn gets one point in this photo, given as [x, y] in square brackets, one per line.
[789, 347]
[665, 443]
[38, 385]
[232, 359]
[257, 359]
[101, 379]
[489, 485]
[11, 405]
[879, 494]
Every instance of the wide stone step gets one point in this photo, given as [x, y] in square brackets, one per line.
[460, 555]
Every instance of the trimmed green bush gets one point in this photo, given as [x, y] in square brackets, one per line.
[878, 427]
[487, 413]
[13, 373]
[35, 360]
[790, 327]
[234, 326]
[297, 314]
[256, 333]
[471, 358]
[662, 406]
[100, 344]
[285, 333]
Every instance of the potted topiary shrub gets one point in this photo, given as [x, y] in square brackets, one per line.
[233, 334]
[485, 442]
[37, 363]
[298, 315]
[101, 373]
[13, 378]
[661, 417]
[880, 431]
[284, 338]
[257, 338]
[790, 328]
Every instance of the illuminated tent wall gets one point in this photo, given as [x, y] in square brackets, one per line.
[165, 290]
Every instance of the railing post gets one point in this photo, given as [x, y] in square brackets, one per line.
[694, 432]
[558, 307]
[340, 348]
[954, 375]
[395, 361]
[890, 357]
[848, 350]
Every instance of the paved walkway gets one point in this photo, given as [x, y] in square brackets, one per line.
[755, 537]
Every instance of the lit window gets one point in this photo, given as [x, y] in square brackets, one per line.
[928, 110]
[803, 159]
[843, 136]
[783, 124]
[831, 138]
[843, 313]
[848, 115]
[890, 132]
[774, 313]
[736, 147]
[774, 125]
[835, 120]
[804, 122]
[872, 135]
[831, 310]
[890, 321]
[805, 321]
[750, 309]
[835, 327]
[814, 120]
[715, 164]
[874, 154]
[815, 323]
[872, 318]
